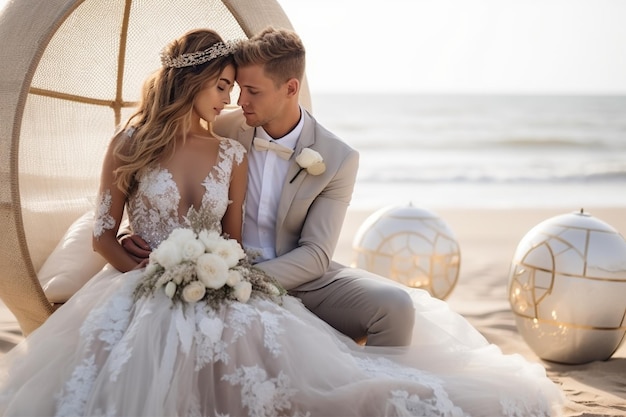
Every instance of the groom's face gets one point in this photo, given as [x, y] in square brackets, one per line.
[261, 100]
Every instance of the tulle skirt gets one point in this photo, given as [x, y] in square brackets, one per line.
[106, 353]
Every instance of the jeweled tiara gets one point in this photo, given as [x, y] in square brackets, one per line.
[199, 57]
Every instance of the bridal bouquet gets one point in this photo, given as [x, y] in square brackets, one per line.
[205, 266]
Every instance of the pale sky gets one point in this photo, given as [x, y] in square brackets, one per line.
[481, 46]
[475, 46]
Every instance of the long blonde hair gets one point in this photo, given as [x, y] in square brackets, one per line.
[166, 106]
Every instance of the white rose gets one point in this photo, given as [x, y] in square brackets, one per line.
[168, 254]
[210, 239]
[230, 250]
[170, 289]
[308, 157]
[310, 160]
[191, 249]
[238, 251]
[243, 290]
[181, 235]
[234, 277]
[194, 291]
[212, 270]
[317, 168]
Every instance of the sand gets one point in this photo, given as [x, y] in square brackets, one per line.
[488, 239]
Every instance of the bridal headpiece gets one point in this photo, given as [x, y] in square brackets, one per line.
[200, 57]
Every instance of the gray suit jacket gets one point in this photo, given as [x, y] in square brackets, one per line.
[311, 209]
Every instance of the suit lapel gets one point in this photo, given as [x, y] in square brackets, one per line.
[245, 136]
[289, 191]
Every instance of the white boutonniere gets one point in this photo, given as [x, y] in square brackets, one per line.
[310, 160]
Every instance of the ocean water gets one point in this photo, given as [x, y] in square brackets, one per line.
[442, 151]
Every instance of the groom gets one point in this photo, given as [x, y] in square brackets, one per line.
[293, 217]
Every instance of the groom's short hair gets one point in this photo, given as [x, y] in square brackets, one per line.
[279, 51]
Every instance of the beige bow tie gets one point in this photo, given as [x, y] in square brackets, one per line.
[264, 145]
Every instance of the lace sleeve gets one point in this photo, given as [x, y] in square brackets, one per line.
[111, 200]
[235, 150]
[103, 221]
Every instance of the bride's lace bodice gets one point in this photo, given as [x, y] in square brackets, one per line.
[153, 206]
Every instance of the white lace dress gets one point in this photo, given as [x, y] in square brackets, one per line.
[106, 354]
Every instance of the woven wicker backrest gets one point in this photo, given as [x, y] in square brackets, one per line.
[70, 72]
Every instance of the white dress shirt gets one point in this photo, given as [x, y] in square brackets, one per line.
[266, 178]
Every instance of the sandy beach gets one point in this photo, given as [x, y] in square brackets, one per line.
[488, 239]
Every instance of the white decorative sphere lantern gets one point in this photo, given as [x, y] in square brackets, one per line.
[567, 289]
[410, 245]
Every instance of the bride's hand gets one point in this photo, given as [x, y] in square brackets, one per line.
[142, 264]
[135, 246]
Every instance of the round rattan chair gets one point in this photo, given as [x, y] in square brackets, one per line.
[70, 72]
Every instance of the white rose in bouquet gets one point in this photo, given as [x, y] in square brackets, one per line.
[168, 254]
[243, 290]
[210, 239]
[194, 291]
[212, 270]
[234, 277]
[181, 235]
[192, 249]
[231, 251]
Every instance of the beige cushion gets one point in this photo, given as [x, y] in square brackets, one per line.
[72, 263]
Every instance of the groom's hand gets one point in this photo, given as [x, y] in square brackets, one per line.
[136, 247]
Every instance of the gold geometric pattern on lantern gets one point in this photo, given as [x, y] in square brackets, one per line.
[410, 245]
[567, 289]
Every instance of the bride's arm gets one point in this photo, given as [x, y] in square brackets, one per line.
[111, 201]
[233, 218]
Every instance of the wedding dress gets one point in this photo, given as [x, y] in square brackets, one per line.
[109, 352]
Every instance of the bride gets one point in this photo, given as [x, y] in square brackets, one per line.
[197, 330]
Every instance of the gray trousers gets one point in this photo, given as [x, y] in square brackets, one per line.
[363, 306]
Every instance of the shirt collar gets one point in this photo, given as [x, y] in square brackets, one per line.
[290, 139]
